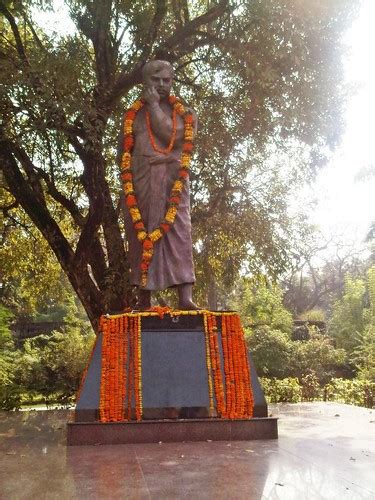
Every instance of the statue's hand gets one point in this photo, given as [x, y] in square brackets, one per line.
[151, 96]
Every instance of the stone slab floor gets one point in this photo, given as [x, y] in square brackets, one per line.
[324, 450]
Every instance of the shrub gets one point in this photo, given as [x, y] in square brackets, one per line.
[52, 366]
[276, 355]
[311, 389]
[271, 351]
[287, 390]
[290, 390]
[316, 355]
[10, 394]
[313, 315]
[357, 392]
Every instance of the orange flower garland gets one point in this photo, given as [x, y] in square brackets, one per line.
[149, 239]
[121, 375]
[211, 333]
[229, 382]
[209, 365]
[238, 401]
[173, 136]
[239, 396]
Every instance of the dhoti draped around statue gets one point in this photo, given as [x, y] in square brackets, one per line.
[153, 177]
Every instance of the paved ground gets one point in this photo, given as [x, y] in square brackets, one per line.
[325, 450]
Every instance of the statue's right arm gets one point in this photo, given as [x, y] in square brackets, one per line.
[161, 123]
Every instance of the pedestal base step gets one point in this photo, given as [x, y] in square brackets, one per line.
[169, 431]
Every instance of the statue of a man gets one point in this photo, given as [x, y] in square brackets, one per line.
[155, 161]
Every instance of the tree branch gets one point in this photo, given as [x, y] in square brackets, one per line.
[31, 172]
[160, 11]
[7, 208]
[78, 275]
[127, 79]
[10, 18]
[192, 26]
[31, 203]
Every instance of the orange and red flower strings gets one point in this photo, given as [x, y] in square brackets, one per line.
[237, 402]
[121, 374]
[155, 147]
[229, 382]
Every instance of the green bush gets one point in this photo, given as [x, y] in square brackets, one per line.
[10, 393]
[52, 366]
[357, 392]
[316, 355]
[276, 355]
[287, 390]
[313, 315]
[291, 390]
[311, 389]
[271, 351]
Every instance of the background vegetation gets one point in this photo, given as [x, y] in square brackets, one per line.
[336, 364]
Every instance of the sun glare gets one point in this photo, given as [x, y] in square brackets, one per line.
[345, 189]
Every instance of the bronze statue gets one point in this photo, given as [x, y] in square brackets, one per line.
[158, 133]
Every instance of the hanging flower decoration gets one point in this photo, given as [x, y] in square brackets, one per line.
[228, 371]
[121, 370]
[148, 240]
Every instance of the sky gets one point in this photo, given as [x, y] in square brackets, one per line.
[345, 204]
[344, 196]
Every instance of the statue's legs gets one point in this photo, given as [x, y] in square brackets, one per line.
[185, 297]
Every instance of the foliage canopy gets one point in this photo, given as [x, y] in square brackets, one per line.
[264, 78]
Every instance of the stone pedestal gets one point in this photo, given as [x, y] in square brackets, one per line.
[175, 392]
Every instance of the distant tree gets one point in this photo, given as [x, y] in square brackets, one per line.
[364, 354]
[316, 277]
[350, 317]
[260, 302]
[31, 279]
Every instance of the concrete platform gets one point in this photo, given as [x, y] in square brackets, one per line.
[170, 431]
[324, 451]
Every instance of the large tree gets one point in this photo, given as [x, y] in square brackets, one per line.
[264, 78]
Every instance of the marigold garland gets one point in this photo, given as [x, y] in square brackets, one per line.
[238, 401]
[149, 239]
[229, 382]
[121, 375]
[211, 333]
[173, 136]
[209, 366]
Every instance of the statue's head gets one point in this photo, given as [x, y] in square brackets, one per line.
[158, 74]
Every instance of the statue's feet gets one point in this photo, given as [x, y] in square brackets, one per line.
[188, 306]
[185, 298]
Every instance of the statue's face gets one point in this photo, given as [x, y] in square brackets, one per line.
[161, 80]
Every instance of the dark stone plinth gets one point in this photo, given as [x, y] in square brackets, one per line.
[169, 431]
[174, 373]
